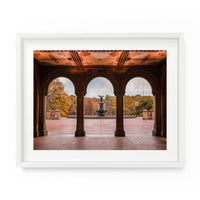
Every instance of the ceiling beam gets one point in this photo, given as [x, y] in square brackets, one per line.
[122, 59]
[76, 58]
[37, 62]
[163, 61]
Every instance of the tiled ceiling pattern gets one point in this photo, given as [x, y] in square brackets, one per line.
[54, 58]
[100, 58]
[145, 58]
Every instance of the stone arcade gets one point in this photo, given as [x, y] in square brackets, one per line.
[117, 66]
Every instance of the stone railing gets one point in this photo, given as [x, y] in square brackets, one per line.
[148, 114]
[53, 114]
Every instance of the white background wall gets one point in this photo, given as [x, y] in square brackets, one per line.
[103, 16]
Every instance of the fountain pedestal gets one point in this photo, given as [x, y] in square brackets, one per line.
[101, 111]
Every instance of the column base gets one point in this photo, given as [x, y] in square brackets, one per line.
[156, 133]
[163, 134]
[119, 133]
[43, 133]
[79, 133]
[36, 133]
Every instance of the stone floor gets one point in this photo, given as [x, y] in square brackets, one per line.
[100, 136]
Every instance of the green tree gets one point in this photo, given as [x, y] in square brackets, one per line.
[145, 102]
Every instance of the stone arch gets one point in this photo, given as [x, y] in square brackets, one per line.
[45, 82]
[155, 85]
[112, 84]
[141, 74]
[138, 77]
[53, 75]
[108, 76]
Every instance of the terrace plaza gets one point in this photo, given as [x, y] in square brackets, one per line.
[81, 67]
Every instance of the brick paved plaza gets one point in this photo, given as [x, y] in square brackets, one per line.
[99, 136]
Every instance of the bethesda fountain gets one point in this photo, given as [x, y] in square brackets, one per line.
[101, 108]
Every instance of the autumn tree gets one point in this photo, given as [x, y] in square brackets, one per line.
[73, 106]
[129, 105]
[89, 108]
[110, 104]
[57, 98]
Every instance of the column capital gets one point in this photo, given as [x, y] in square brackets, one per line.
[79, 92]
[119, 92]
[155, 91]
[43, 93]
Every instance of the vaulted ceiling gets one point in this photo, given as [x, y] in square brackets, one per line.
[100, 58]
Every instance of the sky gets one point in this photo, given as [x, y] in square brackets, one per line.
[102, 86]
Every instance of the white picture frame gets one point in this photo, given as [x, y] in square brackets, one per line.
[27, 159]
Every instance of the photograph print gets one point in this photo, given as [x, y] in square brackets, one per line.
[100, 100]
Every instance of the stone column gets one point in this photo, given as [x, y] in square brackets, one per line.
[164, 117]
[163, 100]
[154, 127]
[119, 115]
[36, 113]
[157, 114]
[42, 115]
[80, 115]
[36, 100]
